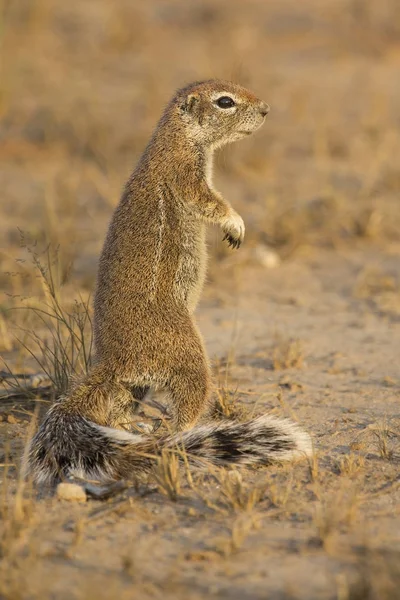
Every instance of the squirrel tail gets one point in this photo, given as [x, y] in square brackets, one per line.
[69, 445]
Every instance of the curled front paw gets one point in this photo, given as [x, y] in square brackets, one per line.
[234, 230]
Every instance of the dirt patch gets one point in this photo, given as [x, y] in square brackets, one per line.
[303, 321]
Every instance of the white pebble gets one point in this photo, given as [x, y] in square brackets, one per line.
[71, 491]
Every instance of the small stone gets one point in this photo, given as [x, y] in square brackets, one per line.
[71, 491]
[11, 419]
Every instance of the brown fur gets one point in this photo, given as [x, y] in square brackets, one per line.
[152, 270]
[153, 263]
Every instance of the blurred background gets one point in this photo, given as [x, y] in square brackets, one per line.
[83, 84]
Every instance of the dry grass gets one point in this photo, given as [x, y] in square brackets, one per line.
[17, 509]
[64, 351]
[167, 475]
[82, 85]
[382, 437]
[226, 392]
[351, 464]
[334, 511]
[380, 290]
[235, 493]
[287, 354]
[378, 577]
[240, 530]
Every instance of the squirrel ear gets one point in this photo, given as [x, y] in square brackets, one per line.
[190, 103]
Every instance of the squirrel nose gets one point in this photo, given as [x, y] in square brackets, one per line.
[264, 109]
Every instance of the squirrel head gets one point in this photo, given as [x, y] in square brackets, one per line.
[219, 112]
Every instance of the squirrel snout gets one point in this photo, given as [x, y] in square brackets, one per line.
[264, 109]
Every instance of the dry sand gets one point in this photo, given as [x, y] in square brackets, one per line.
[316, 337]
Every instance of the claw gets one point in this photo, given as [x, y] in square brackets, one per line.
[232, 242]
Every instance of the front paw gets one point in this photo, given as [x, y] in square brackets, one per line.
[234, 230]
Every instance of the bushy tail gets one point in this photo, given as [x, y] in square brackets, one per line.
[68, 445]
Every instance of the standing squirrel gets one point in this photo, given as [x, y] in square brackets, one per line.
[151, 273]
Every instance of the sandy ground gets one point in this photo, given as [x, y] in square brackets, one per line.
[315, 336]
[309, 531]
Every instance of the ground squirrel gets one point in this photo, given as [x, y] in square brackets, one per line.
[151, 273]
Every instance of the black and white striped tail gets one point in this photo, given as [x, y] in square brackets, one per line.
[69, 445]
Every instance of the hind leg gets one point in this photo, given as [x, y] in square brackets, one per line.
[138, 395]
[189, 381]
[122, 408]
[189, 390]
[125, 407]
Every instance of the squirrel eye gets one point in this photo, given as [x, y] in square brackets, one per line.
[225, 102]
